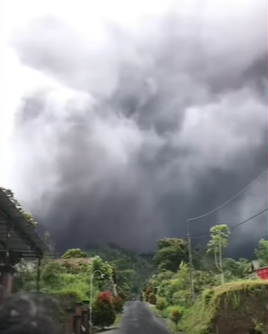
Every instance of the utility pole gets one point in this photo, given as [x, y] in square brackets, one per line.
[190, 258]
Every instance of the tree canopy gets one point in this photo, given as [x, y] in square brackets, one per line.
[74, 253]
[219, 240]
[171, 252]
[261, 252]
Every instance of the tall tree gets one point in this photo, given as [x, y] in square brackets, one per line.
[219, 240]
[171, 252]
[261, 252]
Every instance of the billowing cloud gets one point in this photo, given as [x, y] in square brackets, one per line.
[149, 122]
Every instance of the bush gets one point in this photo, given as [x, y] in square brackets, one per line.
[175, 316]
[152, 298]
[74, 253]
[67, 297]
[103, 312]
[161, 303]
[182, 297]
[170, 309]
[118, 304]
[148, 291]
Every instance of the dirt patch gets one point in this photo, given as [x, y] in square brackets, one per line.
[232, 308]
[74, 262]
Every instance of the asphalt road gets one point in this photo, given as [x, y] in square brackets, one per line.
[138, 318]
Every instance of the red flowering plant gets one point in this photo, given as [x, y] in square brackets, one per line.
[103, 312]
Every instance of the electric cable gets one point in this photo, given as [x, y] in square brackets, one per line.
[235, 226]
[229, 200]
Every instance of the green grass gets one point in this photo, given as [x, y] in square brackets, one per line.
[230, 308]
[117, 320]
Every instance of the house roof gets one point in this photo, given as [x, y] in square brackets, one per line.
[24, 239]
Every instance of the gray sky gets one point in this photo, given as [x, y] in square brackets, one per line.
[122, 119]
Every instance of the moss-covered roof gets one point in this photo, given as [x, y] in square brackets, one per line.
[24, 239]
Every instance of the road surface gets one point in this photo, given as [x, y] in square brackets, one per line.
[138, 318]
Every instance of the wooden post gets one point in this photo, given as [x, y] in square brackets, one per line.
[76, 324]
[38, 274]
[7, 272]
[70, 321]
[78, 317]
[8, 235]
[85, 316]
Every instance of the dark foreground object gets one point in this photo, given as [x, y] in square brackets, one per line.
[138, 318]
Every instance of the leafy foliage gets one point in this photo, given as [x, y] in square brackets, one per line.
[175, 316]
[148, 291]
[161, 303]
[118, 303]
[64, 277]
[236, 269]
[152, 298]
[130, 270]
[174, 299]
[261, 252]
[171, 252]
[219, 240]
[74, 253]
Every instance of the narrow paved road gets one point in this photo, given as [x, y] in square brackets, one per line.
[138, 318]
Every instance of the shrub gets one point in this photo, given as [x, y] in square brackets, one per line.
[182, 297]
[175, 316]
[170, 309]
[161, 303]
[103, 312]
[148, 291]
[67, 297]
[74, 253]
[152, 298]
[122, 295]
[118, 304]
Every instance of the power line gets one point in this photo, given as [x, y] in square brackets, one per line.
[235, 226]
[229, 200]
[247, 220]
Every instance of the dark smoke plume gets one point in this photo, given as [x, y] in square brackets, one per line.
[146, 127]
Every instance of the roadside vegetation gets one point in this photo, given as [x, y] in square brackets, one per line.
[237, 307]
[228, 299]
[67, 279]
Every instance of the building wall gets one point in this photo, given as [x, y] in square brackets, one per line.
[263, 273]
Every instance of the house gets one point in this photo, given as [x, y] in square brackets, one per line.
[18, 240]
